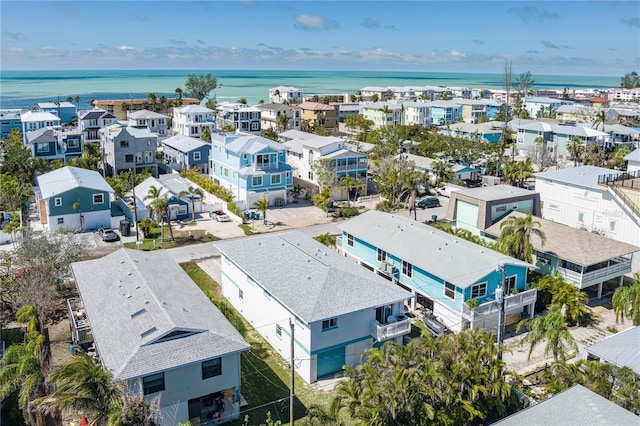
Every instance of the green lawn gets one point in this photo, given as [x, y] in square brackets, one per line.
[265, 375]
[181, 237]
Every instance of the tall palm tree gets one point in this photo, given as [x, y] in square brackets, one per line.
[76, 206]
[153, 194]
[443, 171]
[351, 182]
[191, 193]
[283, 121]
[83, 385]
[571, 301]
[515, 237]
[626, 301]
[262, 205]
[552, 329]
[161, 206]
[575, 148]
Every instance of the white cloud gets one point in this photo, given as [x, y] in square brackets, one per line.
[125, 47]
[314, 22]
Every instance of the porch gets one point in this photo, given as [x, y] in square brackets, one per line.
[398, 326]
[586, 276]
[512, 303]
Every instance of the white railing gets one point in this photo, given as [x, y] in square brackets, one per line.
[582, 278]
[388, 331]
[369, 198]
[511, 302]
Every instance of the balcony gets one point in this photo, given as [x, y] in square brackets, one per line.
[585, 279]
[382, 332]
[80, 327]
[511, 302]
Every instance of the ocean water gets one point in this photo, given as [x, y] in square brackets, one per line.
[21, 89]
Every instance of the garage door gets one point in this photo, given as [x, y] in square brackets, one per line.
[330, 361]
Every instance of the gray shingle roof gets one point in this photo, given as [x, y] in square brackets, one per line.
[68, 178]
[633, 156]
[576, 245]
[577, 406]
[621, 349]
[134, 298]
[446, 256]
[586, 176]
[314, 282]
[144, 113]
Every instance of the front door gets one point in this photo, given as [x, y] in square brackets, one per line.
[330, 361]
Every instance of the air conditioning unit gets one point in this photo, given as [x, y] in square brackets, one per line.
[387, 268]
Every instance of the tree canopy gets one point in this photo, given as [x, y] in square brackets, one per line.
[630, 80]
[199, 86]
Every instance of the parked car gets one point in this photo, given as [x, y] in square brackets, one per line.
[446, 191]
[429, 202]
[108, 234]
[435, 327]
[220, 216]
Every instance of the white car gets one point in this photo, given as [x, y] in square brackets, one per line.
[220, 216]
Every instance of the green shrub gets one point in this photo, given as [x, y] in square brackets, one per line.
[472, 303]
[347, 212]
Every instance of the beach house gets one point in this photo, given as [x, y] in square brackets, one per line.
[127, 148]
[191, 120]
[91, 121]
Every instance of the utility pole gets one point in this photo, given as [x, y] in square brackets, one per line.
[135, 204]
[501, 293]
[293, 374]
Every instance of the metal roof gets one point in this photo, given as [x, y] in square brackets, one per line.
[444, 255]
[621, 349]
[67, 178]
[143, 113]
[184, 143]
[586, 176]
[577, 406]
[135, 298]
[251, 144]
[497, 192]
[315, 282]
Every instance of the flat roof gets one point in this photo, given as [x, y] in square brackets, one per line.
[497, 192]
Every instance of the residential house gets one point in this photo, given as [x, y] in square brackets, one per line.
[72, 199]
[284, 94]
[333, 99]
[251, 167]
[443, 112]
[621, 115]
[633, 161]
[528, 134]
[542, 104]
[305, 150]
[152, 121]
[460, 92]
[185, 153]
[159, 334]
[476, 209]
[127, 148]
[52, 143]
[34, 120]
[483, 132]
[416, 114]
[120, 107]
[382, 93]
[564, 132]
[426, 165]
[240, 117]
[170, 186]
[271, 117]
[335, 309]
[576, 113]
[575, 406]
[593, 198]
[620, 349]
[66, 111]
[474, 109]
[383, 114]
[442, 270]
[620, 135]
[318, 114]
[347, 109]
[584, 259]
[9, 120]
[191, 120]
[624, 95]
[91, 121]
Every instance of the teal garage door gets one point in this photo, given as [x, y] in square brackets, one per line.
[330, 361]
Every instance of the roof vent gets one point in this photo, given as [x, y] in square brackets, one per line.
[138, 286]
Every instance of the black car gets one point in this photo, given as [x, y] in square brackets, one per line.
[429, 202]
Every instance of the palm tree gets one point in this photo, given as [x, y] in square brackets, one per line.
[283, 121]
[351, 182]
[262, 205]
[153, 194]
[83, 385]
[323, 200]
[296, 191]
[161, 206]
[443, 171]
[77, 100]
[575, 148]
[153, 99]
[515, 237]
[76, 206]
[552, 329]
[191, 192]
[626, 301]
[571, 301]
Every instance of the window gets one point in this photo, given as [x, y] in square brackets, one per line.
[287, 174]
[382, 255]
[276, 179]
[57, 201]
[553, 207]
[543, 258]
[256, 180]
[43, 147]
[612, 225]
[211, 368]
[479, 290]
[196, 156]
[350, 240]
[501, 208]
[329, 324]
[580, 217]
[226, 172]
[128, 158]
[60, 220]
[73, 143]
[98, 198]
[407, 269]
[310, 175]
[279, 330]
[450, 291]
[153, 383]
[124, 144]
[511, 283]
[240, 294]
[266, 294]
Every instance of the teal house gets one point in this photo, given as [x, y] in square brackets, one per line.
[73, 199]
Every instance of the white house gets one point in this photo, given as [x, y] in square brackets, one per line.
[152, 121]
[334, 308]
[282, 94]
[191, 120]
[158, 333]
[590, 197]
[633, 161]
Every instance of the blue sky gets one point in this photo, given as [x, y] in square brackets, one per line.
[545, 37]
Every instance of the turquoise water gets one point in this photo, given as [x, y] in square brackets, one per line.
[20, 89]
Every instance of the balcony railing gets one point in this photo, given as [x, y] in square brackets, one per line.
[382, 332]
[599, 274]
[80, 328]
[511, 302]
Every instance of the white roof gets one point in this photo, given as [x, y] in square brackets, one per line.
[189, 109]
[633, 156]
[143, 113]
[586, 176]
[38, 116]
[68, 178]
[621, 349]
[184, 143]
